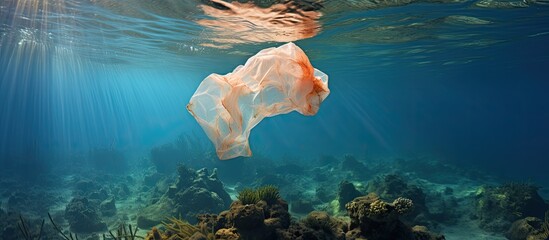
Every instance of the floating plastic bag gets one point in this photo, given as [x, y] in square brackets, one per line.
[274, 81]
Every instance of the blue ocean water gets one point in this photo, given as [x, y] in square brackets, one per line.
[459, 80]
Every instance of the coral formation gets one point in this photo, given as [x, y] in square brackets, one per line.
[372, 218]
[392, 186]
[252, 221]
[403, 205]
[179, 229]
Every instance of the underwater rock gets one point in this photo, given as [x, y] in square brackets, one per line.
[443, 208]
[529, 228]
[325, 194]
[108, 207]
[84, 187]
[197, 200]
[122, 191]
[347, 192]
[227, 233]
[496, 208]
[194, 193]
[247, 216]
[100, 195]
[301, 206]
[358, 168]
[151, 179]
[83, 217]
[274, 81]
[328, 227]
[156, 213]
[422, 233]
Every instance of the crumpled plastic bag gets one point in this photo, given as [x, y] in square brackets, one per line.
[274, 81]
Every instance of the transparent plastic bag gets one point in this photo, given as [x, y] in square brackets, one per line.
[274, 81]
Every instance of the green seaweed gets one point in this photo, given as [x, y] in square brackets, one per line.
[24, 229]
[248, 196]
[267, 193]
[123, 233]
[60, 232]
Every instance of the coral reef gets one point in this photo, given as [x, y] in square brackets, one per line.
[372, 218]
[252, 221]
[392, 186]
[496, 208]
[195, 192]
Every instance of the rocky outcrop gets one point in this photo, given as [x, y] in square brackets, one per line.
[261, 220]
[83, 217]
[346, 193]
[374, 219]
[496, 208]
[530, 228]
[194, 193]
